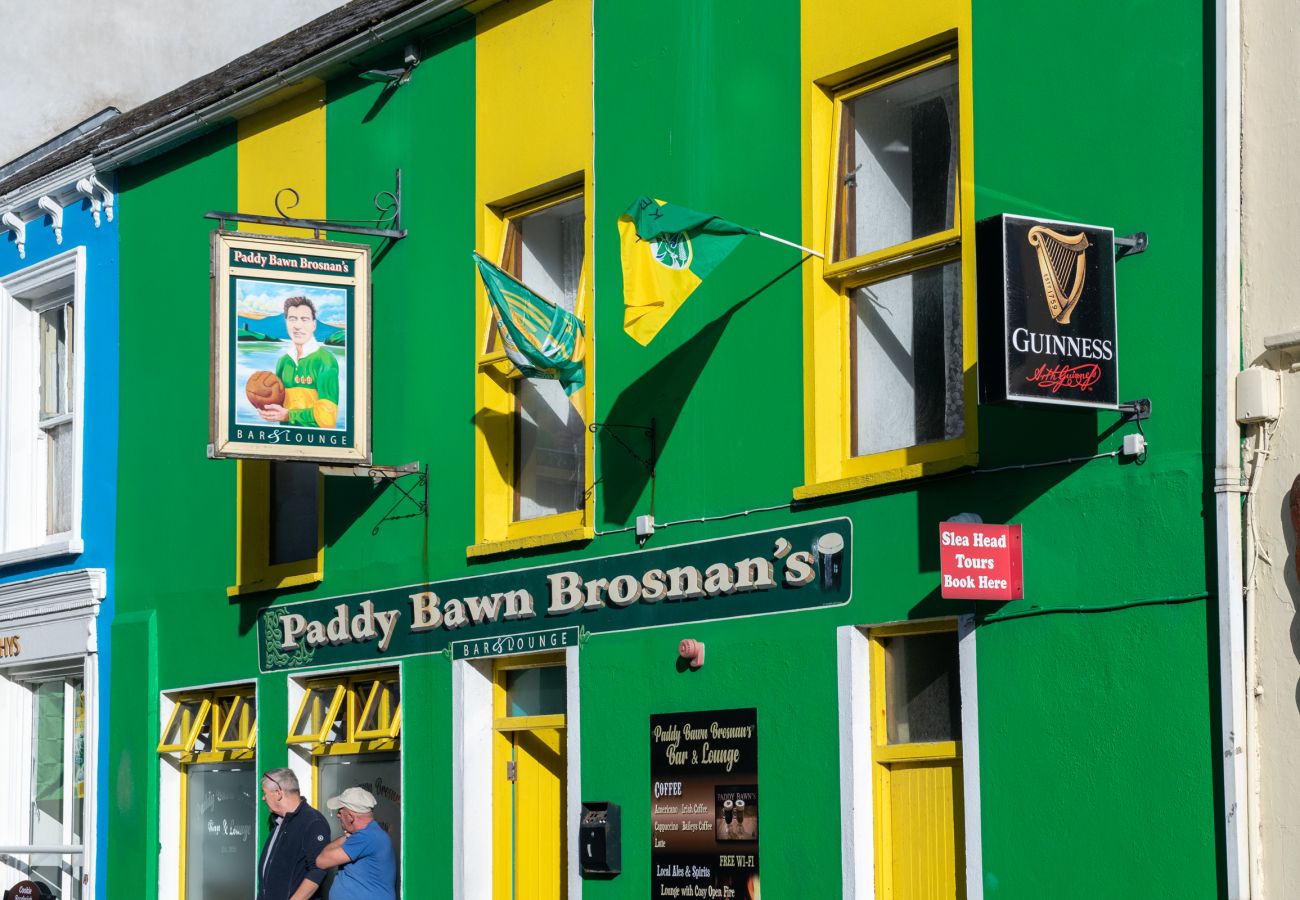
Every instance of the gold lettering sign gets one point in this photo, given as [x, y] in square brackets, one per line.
[1062, 262]
[10, 646]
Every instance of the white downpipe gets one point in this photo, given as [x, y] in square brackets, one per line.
[1227, 444]
[1254, 690]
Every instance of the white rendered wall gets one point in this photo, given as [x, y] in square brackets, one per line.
[1271, 273]
[65, 60]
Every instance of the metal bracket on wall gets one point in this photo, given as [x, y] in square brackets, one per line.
[387, 225]
[1130, 244]
[1136, 410]
[651, 437]
[417, 494]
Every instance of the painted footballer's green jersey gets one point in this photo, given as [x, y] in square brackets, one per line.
[311, 388]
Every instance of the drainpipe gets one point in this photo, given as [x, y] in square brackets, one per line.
[1227, 446]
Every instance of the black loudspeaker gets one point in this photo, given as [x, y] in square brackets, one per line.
[600, 840]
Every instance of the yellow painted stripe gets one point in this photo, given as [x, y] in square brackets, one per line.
[283, 146]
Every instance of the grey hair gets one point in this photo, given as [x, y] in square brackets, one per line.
[284, 779]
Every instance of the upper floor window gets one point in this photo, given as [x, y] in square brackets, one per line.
[898, 275]
[40, 409]
[535, 479]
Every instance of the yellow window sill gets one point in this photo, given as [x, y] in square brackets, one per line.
[530, 541]
[865, 480]
[275, 584]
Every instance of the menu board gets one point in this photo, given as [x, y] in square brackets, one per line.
[704, 804]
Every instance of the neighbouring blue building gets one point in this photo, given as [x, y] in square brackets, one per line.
[58, 485]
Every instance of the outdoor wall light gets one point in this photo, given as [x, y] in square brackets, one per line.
[692, 651]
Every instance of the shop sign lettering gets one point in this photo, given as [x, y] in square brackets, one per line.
[512, 644]
[704, 804]
[798, 567]
[980, 562]
[11, 645]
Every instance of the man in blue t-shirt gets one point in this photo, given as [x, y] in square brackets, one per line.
[367, 868]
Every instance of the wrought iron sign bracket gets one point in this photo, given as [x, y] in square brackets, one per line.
[387, 225]
[651, 437]
[1130, 244]
[1136, 410]
[417, 495]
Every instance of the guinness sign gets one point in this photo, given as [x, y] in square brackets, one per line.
[1047, 312]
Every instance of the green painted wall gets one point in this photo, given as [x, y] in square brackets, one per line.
[1097, 733]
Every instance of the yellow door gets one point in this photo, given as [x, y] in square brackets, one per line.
[529, 844]
[916, 755]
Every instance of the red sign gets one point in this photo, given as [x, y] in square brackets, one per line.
[980, 562]
[26, 890]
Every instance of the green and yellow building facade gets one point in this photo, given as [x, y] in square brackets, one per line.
[908, 746]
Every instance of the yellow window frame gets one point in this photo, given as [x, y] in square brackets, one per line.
[253, 569]
[234, 720]
[884, 754]
[353, 695]
[496, 529]
[501, 719]
[830, 465]
[188, 732]
[224, 706]
[326, 722]
[388, 716]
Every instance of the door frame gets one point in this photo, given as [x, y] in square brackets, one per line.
[472, 776]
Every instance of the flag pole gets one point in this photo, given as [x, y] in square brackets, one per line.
[772, 237]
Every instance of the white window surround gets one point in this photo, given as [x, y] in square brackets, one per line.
[471, 762]
[170, 814]
[857, 812]
[20, 540]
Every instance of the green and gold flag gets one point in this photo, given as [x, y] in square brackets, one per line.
[667, 251]
[543, 340]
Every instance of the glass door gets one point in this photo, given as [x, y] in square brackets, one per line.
[58, 783]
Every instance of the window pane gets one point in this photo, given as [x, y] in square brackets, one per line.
[898, 163]
[49, 781]
[550, 446]
[55, 361]
[315, 709]
[379, 715]
[908, 385]
[220, 835]
[295, 497]
[922, 693]
[551, 252]
[535, 692]
[58, 478]
[182, 722]
[378, 773]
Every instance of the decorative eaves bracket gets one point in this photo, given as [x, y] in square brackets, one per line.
[90, 186]
[12, 223]
[52, 209]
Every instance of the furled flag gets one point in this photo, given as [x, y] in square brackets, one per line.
[667, 251]
[542, 339]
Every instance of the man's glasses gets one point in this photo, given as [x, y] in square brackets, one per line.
[279, 787]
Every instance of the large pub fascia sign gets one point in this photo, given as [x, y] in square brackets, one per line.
[803, 566]
[1047, 325]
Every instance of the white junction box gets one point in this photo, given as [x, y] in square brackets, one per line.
[1259, 395]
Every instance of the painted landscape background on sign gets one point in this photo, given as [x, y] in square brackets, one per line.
[261, 337]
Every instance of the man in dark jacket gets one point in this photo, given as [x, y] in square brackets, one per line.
[287, 869]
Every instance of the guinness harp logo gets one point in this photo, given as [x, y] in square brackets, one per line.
[1062, 261]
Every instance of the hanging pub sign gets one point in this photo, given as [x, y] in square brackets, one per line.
[798, 566]
[704, 805]
[291, 349]
[1047, 312]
